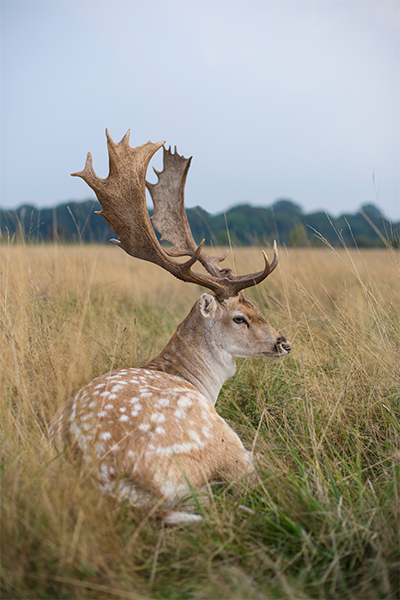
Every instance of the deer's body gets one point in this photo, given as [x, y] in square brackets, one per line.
[148, 436]
[151, 434]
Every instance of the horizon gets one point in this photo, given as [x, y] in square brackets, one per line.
[93, 200]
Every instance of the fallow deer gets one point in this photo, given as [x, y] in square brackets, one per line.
[150, 434]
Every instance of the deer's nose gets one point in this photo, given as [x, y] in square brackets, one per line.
[282, 346]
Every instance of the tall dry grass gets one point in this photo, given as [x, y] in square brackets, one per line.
[321, 521]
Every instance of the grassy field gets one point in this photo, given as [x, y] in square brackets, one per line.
[322, 519]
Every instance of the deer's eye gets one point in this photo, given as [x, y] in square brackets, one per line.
[239, 320]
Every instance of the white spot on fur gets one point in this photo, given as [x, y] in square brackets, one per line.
[194, 435]
[144, 426]
[103, 470]
[176, 449]
[157, 418]
[184, 402]
[124, 418]
[180, 414]
[162, 402]
[206, 431]
[75, 430]
[160, 430]
[106, 435]
[119, 386]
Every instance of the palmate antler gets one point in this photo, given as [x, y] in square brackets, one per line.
[169, 217]
[122, 196]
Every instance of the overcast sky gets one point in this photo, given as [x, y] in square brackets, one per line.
[282, 99]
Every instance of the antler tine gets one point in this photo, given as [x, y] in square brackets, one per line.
[88, 174]
[115, 149]
[241, 282]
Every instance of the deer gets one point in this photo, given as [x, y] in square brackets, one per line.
[151, 435]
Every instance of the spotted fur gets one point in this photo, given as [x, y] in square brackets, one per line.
[148, 435]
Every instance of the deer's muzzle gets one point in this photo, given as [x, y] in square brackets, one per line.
[282, 346]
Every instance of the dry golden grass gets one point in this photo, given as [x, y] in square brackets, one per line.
[325, 422]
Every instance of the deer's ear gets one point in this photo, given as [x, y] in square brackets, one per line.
[207, 305]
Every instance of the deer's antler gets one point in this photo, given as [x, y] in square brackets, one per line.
[122, 196]
[169, 217]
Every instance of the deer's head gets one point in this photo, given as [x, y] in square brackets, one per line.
[225, 313]
[238, 328]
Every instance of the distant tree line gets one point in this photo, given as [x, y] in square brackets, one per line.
[242, 225]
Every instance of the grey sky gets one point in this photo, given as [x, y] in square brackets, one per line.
[273, 99]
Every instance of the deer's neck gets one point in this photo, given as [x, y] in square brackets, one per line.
[194, 354]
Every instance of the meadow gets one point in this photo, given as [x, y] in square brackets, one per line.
[321, 520]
